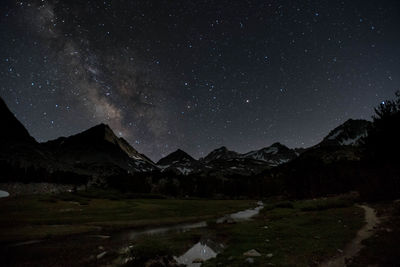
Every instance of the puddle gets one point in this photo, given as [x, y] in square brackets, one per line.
[4, 194]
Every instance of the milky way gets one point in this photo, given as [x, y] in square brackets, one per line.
[196, 75]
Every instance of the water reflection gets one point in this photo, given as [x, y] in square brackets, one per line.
[4, 193]
[234, 217]
[242, 215]
[197, 254]
[131, 235]
[203, 250]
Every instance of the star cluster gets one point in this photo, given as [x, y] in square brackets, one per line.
[196, 75]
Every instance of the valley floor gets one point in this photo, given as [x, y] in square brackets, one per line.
[91, 228]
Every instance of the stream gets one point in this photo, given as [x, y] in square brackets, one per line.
[201, 251]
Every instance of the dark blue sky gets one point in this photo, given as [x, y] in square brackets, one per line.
[196, 75]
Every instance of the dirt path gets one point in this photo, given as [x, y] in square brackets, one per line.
[355, 245]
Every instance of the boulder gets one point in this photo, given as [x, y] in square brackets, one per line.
[252, 253]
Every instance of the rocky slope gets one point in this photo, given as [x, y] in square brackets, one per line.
[273, 155]
[93, 153]
[98, 149]
[221, 153]
[13, 132]
[178, 161]
[18, 149]
[349, 133]
[99, 152]
[222, 161]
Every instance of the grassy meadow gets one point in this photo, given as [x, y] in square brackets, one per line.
[45, 216]
[285, 233]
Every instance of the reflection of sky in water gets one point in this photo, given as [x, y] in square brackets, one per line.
[242, 215]
[4, 193]
[198, 251]
[238, 216]
[246, 214]
[180, 227]
[202, 251]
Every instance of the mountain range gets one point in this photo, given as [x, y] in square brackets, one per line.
[98, 152]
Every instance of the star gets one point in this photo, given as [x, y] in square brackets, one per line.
[180, 72]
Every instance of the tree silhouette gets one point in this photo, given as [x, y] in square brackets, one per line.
[383, 141]
[387, 108]
[382, 147]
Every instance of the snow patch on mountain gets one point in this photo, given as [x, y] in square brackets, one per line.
[334, 135]
[349, 133]
[184, 170]
[352, 141]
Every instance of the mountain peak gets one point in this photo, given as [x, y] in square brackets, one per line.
[348, 133]
[102, 129]
[100, 135]
[101, 126]
[175, 157]
[15, 132]
[221, 153]
[278, 145]
[103, 132]
[180, 153]
[274, 154]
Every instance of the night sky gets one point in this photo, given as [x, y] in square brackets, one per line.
[197, 75]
